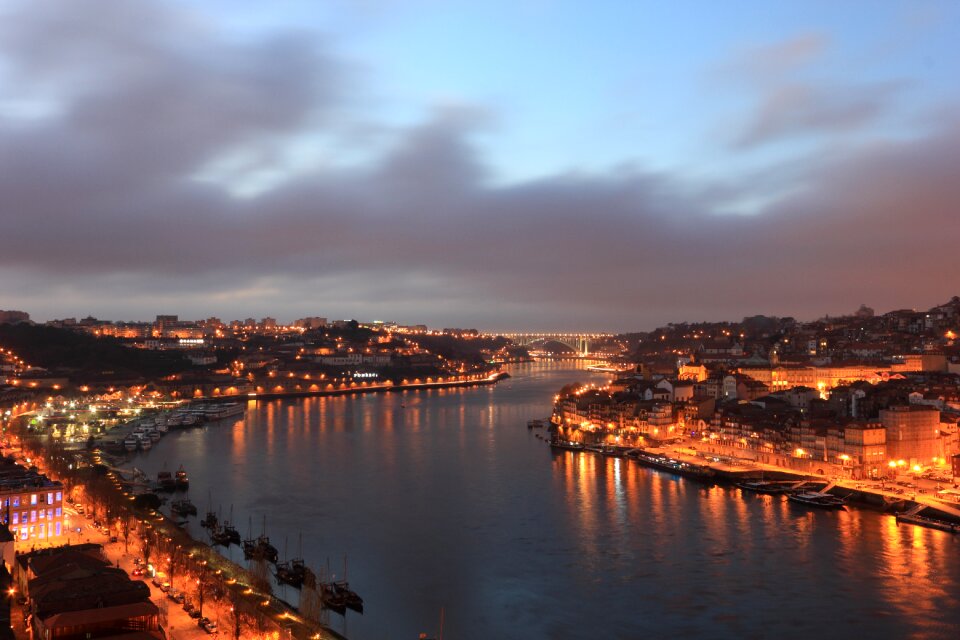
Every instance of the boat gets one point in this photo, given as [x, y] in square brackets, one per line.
[565, 445]
[930, 523]
[182, 481]
[763, 486]
[210, 521]
[260, 547]
[350, 598]
[154, 436]
[131, 443]
[231, 532]
[165, 481]
[144, 443]
[332, 599]
[342, 589]
[219, 536]
[183, 507]
[679, 467]
[817, 499]
[536, 424]
[291, 572]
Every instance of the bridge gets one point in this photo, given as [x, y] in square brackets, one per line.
[579, 342]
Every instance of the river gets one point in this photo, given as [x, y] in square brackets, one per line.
[444, 501]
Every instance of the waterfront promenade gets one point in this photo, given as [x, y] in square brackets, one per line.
[222, 588]
[731, 462]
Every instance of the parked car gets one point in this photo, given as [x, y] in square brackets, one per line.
[195, 613]
[178, 597]
[210, 627]
[137, 572]
[157, 582]
[113, 538]
[188, 607]
[165, 587]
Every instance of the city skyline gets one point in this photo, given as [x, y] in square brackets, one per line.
[531, 167]
[14, 315]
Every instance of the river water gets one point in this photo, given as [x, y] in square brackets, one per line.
[444, 501]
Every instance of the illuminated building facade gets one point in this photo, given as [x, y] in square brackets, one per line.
[913, 433]
[32, 503]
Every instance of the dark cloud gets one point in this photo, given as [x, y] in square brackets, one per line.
[102, 212]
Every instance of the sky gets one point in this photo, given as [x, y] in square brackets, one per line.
[521, 165]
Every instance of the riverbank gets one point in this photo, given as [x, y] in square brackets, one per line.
[387, 387]
[715, 465]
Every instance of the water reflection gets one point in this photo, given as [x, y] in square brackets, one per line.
[444, 499]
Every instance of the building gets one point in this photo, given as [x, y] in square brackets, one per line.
[32, 504]
[164, 323]
[74, 592]
[913, 433]
[14, 317]
[312, 322]
[860, 448]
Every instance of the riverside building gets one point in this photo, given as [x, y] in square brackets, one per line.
[32, 504]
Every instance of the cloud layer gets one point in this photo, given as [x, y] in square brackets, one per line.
[103, 212]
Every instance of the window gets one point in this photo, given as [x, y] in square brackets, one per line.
[24, 533]
[16, 501]
[33, 516]
[59, 496]
[16, 518]
[42, 531]
[33, 498]
[59, 512]
[58, 528]
[50, 498]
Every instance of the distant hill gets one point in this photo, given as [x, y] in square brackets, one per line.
[84, 358]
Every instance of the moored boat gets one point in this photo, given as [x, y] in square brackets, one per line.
[233, 535]
[291, 573]
[763, 486]
[565, 445]
[165, 481]
[930, 523]
[219, 536]
[260, 547]
[350, 598]
[817, 499]
[181, 481]
[332, 599]
[183, 507]
[679, 467]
